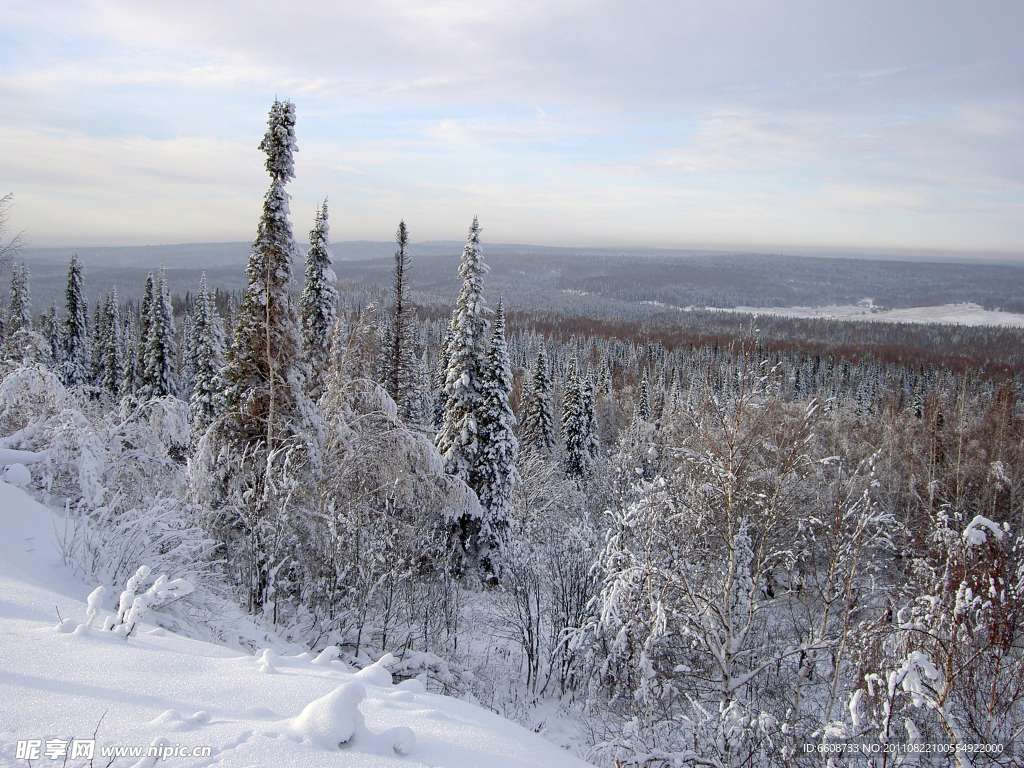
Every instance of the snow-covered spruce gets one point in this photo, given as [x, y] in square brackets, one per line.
[496, 474]
[206, 351]
[318, 301]
[539, 421]
[19, 311]
[578, 423]
[74, 346]
[111, 344]
[160, 349]
[398, 368]
[263, 402]
[458, 438]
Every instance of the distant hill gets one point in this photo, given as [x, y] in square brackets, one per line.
[574, 280]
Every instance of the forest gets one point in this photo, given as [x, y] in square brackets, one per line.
[659, 540]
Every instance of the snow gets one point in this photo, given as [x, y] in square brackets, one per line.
[158, 688]
[18, 475]
[974, 535]
[955, 314]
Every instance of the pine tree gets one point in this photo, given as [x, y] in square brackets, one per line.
[538, 420]
[159, 377]
[496, 474]
[263, 399]
[75, 336]
[319, 299]
[458, 438]
[112, 362]
[19, 315]
[398, 351]
[206, 351]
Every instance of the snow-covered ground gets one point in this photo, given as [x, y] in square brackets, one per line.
[61, 682]
[960, 314]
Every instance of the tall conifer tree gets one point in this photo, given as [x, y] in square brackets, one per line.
[75, 335]
[319, 301]
[112, 360]
[538, 420]
[207, 356]
[161, 350]
[19, 314]
[643, 406]
[458, 438]
[263, 399]
[496, 475]
[145, 315]
[398, 363]
[578, 423]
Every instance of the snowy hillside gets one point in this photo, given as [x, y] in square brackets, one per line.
[62, 682]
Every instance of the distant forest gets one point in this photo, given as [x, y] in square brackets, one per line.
[572, 281]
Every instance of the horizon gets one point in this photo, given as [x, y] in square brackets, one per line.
[908, 255]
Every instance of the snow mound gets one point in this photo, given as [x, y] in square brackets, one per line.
[377, 673]
[327, 655]
[18, 475]
[331, 721]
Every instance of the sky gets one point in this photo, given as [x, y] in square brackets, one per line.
[889, 126]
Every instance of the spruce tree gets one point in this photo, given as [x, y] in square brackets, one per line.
[440, 377]
[97, 346]
[538, 420]
[496, 475]
[578, 423]
[112, 361]
[19, 315]
[643, 406]
[206, 351]
[145, 315]
[159, 377]
[75, 335]
[398, 363]
[129, 353]
[318, 302]
[458, 437]
[421, 394]
[592, 442]
[263, 399]
[52, 330]
[458, 440]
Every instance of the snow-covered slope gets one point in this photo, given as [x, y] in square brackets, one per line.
[65, 682]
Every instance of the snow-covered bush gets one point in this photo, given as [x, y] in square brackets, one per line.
[134, 605]
[947, 664]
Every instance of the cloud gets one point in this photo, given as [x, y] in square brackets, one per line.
[799, 121]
